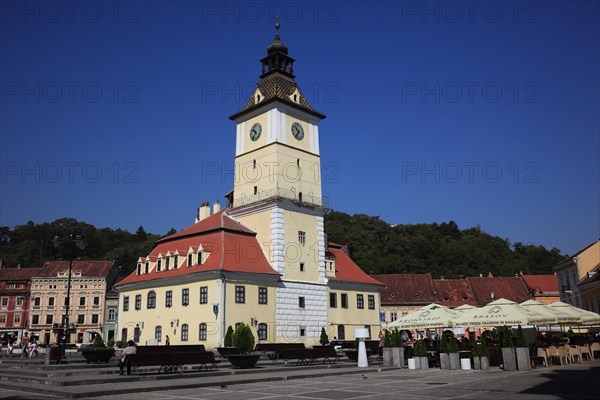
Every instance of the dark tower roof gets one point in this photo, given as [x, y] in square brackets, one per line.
[277, 81]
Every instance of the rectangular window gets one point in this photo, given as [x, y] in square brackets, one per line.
[360, 301]
[147, 268]
[393, 316]
[37, 301]
[17, 319]
[333, 300]
[94, 318]
[81, 319]
[159, 265]
[169, 299]
[302, 237]
[240, 294]
[204, 295]
[49, 319]
[301, 302]
[255, 189]
[302, 331]
[19, 302]
[82, 301]
[138, 301]
[202, 330]
[2, 319]
[175, 262]
[35, 320]
[126, 303]
[262, 295]
[371, 302]
[112, 313]
[158, 333]
[96, 300]
[344, 300]
[50, 301]
[139, 269]
[190, 259]
[185, 297]
[301, 267]
[199, 258]
[184, 332]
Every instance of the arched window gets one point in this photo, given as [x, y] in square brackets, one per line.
[151, 299]
[124, 334]
[202, 330]
[158, 333]
[184, 332]
[137, 332]
[262, 331]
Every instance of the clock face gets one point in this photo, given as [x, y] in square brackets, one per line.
[255, 132]
[297, 131]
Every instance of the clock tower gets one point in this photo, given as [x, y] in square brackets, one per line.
[277, 192]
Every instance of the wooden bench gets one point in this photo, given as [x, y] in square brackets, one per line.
[272, 350]
[309, 356]
[171, 358]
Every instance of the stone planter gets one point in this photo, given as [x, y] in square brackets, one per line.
[523, 359]
[454, 361]
[243, 361]
[508, 359]
[97, 355]
[421, 362]
[393, 357]
[225, 351]
[485, 362]
[476, 362]
[444, 360]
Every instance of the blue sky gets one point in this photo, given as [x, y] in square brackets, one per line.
[115, 112]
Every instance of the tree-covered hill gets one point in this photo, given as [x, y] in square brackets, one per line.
[30, 245]
[441, 249]
[376, 246]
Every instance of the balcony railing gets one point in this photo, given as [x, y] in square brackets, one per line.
[279, 193]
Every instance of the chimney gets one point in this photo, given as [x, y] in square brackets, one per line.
[216, 207]
[203, 211]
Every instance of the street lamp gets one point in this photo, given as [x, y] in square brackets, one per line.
[74, 242]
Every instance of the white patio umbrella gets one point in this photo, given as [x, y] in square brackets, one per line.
[561, 317]
[501, 312]
[464, 307]
[428, 317]
[588, 318]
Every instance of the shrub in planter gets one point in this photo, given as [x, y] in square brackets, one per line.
[243, 340]
[228, 342]
[324, 339]
[97, 351]
[480, 353]
[121, 344]
[110, 343]
[522, 350]
[393, 353]
[508, 352]
[421, 355]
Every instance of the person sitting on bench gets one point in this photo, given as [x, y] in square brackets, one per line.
[130, 349]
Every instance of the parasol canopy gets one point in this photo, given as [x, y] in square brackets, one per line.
[501, 312]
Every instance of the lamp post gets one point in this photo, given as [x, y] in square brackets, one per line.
[74, 242]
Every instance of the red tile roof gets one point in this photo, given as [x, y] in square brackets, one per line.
[453, 292]
[216, 222]
[18, 274]
[406, 289]
[86, 268]
[541, 283]
[512, 288]
[345, 269]
[232, 247]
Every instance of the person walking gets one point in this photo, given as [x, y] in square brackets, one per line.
[24, 343]
[167, 341]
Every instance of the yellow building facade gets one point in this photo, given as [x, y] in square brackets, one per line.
[264, 259]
